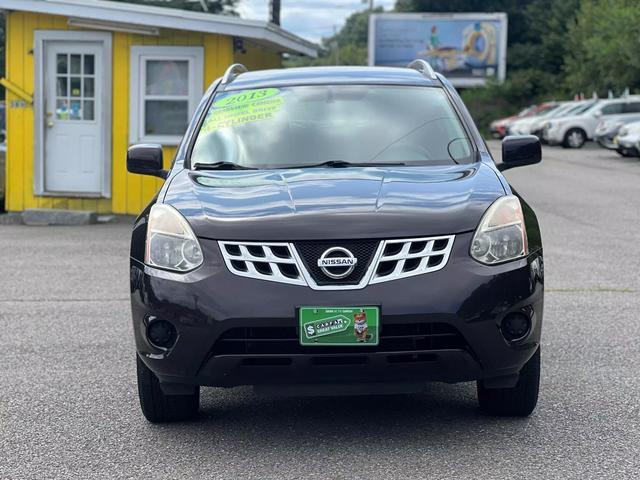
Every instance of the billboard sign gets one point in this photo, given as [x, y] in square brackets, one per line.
[468, 48]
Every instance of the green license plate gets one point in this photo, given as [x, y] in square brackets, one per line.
[331, 326]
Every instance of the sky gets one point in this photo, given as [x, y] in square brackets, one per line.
[311, 19]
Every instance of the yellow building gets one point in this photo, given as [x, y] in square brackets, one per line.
[87, 78]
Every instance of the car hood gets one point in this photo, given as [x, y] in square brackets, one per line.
[502, 121]
[524, 121]
[334, 203]
[631, 137]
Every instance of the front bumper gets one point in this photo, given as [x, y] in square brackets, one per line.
[627, 147]
[606, 140]
[498, 131]
[464, 297]
[553, 136]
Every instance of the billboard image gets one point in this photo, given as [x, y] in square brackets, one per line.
[468, 48]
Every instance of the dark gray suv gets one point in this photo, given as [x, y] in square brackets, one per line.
[335, 230]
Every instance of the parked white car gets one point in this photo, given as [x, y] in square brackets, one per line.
[628, 140]
[534, 125]
[574, 130]
[522, 126]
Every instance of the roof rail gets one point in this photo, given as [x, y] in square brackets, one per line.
[232, 72]
[423, 67]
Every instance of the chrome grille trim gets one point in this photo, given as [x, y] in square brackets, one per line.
[363, 282]
[405, 254]
[249, 260]
[240, 253]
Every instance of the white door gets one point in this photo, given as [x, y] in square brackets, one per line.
[74, 130]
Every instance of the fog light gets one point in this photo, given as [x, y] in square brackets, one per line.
[161, 334]
[515, 326]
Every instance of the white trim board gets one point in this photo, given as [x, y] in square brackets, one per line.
[161, 17]
[42, 36]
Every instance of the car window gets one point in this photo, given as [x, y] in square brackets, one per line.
[583, 108]
[307, 125]
[632, 107]
[564, 109]
[612, 109]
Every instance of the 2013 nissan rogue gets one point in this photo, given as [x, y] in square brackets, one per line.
[329, 230]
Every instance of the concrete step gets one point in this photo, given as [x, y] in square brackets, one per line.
[48, 216]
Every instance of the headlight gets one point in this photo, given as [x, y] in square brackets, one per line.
[171, 243]
[501, 235]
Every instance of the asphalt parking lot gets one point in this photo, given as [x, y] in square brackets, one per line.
[68, 400]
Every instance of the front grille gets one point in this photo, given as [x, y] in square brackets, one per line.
[282, 341]
[266, 261]
[310, 252]
[297, 263]
[406, 258]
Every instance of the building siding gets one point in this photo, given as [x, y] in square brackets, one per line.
[129, 193]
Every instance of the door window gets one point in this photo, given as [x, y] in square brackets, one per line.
[75, 86]
[632, 107]
[612, 109]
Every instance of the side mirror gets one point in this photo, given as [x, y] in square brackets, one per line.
[520, 150]
[146, 159]
[597, 114]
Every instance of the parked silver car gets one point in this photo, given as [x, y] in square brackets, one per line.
[607, 130]
[628, 139]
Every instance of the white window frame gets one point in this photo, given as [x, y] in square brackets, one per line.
[140, 55]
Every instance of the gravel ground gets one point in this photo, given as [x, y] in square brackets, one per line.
[68, 400]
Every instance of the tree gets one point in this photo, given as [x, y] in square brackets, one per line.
[214, 6]
[603, 46]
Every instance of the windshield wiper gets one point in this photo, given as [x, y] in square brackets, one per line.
[220, 166]
[344, 164]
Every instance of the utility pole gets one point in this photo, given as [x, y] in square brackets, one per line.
[336, 44]
[274, 11]
[370, 4]
[203, 4]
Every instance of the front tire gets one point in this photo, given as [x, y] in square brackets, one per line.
[159, 407]
[574, 138]
[518, 401]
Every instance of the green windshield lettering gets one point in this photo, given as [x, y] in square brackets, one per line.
[241, 113]
[245, 98]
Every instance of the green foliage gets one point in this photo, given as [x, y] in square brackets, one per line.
[347, 47]
[603, 47]
[215, 6]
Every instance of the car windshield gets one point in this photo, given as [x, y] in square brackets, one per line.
[561, 110]
[546, 110]
[582, 108]
[591, 107]
[305, 126]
